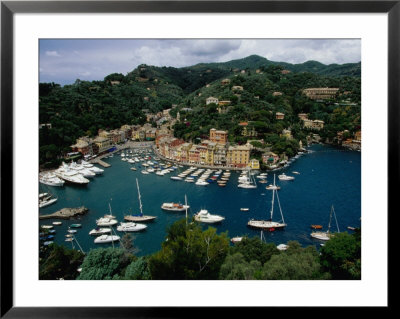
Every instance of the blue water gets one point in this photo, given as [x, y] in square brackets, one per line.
[328, 176]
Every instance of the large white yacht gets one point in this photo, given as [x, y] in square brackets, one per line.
[50, 179]
[93, 168]
[86, 172]
[70, 175]
[205, 217]
[106, 221]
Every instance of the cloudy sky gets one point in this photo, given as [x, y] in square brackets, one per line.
[64, 61]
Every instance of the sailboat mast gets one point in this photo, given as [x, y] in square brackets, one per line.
[337, 225]
[273, 197]
[109, 206]
[140, 201]
[186, 208]
[330, 219]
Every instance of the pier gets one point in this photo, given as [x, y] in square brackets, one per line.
[66, 213]
[100, 162]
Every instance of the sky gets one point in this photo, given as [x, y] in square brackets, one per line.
[64, 60]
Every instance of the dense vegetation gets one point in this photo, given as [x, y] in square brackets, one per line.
[85, 107]
[191, 252]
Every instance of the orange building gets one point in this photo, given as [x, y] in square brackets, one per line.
[220, 137]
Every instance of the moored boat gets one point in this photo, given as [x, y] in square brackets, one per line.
[102, 239]
[175, 207]
[205, 217]
[131, 227]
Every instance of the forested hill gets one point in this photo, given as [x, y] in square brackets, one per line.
[86, 106]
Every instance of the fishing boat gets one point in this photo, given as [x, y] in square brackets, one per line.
[326, 235]
[174, 207]
[131, 226]
[269, 224]
[140, 217]
[205, 217]
[103, 239]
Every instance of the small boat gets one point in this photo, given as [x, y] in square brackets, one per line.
[244, 209]
[46, 226]
[282, 247]
[273, 187]
[351, 228]
[201, 183]
[46, 243]
[46, 200]
[131, 226]
[75, 225]
[316, 226]
[205, 217]
[235, 240]
[175, 207]
[72, 231]
[284, 177]
[133, 168]
[294, 172]
[69, 239]
[103, 239]
[145, 172]
[69, 235]
[176, 178]
[57, 223]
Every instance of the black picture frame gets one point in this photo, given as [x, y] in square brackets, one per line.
[9, 8]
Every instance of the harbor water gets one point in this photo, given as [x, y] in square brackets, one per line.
[327, 176]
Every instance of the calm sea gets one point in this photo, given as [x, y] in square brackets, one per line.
[328, 176]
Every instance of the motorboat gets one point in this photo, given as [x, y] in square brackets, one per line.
[46, 200]
[244, 209]
[131, 226]
[69, 175]
[174, 207]
[282, 247]
[176, 178]
[236, 240]
[99, 231]
[284, 177]
[201, 182]
[103, 239]
[205, 217]
[57, 223]
[51, 179]
[273, 187]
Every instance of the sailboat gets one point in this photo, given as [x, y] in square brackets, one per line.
[326, 235]
[269, 224]
[140, 217]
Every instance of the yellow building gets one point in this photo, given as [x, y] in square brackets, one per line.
[238, 156]
[103, 143]
[254, 164]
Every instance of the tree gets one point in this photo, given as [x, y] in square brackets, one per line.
[189, 253]
[255, 249]
[104, 264]
[59, 262]
[236, 267]
[294, 264]
[138, 270]
[341, 256]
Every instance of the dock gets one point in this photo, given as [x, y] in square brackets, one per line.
[99, 161]
[66, 213]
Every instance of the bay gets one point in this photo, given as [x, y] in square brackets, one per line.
[328, 176]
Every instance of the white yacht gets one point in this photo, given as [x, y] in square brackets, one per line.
[102, 239]
[71, 176]
[174, 207]
[86, 172]
[50, 179]
[131, 226]
[205, 217]
[99, 231]
[201, 182]
[46, 200]
[284, 177]
[106, 221]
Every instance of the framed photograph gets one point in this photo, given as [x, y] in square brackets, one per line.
[199, 91]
